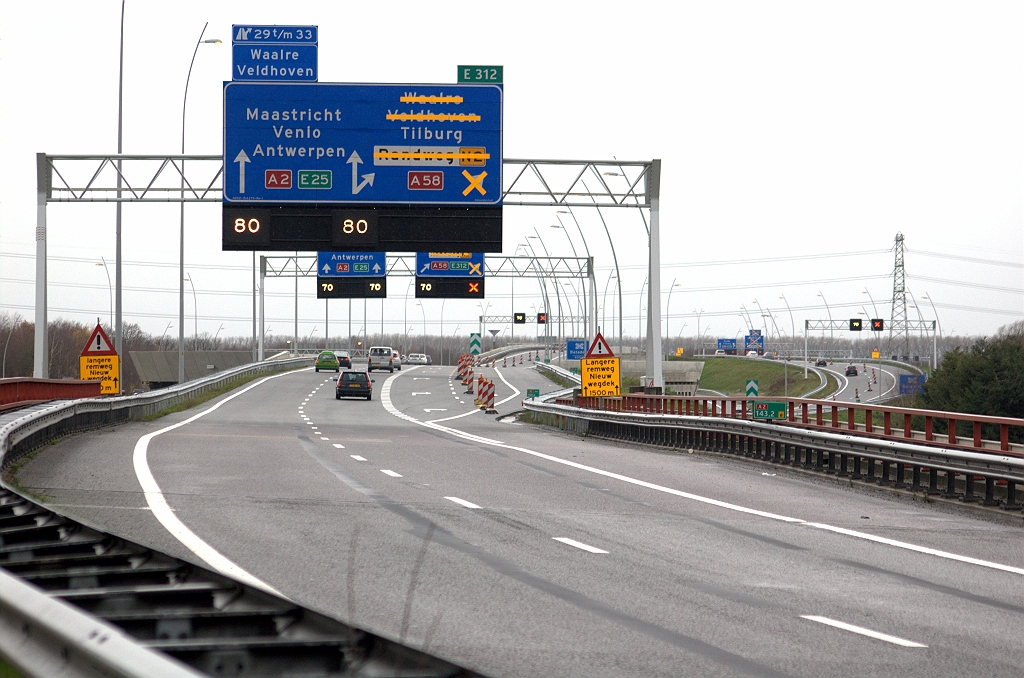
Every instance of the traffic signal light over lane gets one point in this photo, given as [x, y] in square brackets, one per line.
[542, 318]
[877, 324]
[856, 325]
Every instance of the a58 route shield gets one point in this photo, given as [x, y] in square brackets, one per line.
[362, 143]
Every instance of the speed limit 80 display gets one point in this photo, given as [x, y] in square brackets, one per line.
[301, 227]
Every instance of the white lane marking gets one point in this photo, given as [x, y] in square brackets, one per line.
[339, 446]
[579, 545]
[862, 631]
[435, 409]
[426, 378]
[385, 396]
[462, 502]
[515, 390]
[163, 512]
[324, 438]
[314, 427]
[357, 457]
[389, 472]
[421, 393]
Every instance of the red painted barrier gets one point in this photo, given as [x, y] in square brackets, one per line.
[19, 389]
[915, 425]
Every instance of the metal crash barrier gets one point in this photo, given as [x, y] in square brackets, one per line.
[896, 447]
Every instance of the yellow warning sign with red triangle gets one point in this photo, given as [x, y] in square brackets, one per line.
[100, 362]
[600, 348]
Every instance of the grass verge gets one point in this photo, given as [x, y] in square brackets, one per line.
[561, 381]
[11, 478]
[8, 671]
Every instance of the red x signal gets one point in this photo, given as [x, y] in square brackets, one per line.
[474, 288]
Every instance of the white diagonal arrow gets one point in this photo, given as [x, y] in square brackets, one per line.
[241, 159]
[425, 268]
[356, 161]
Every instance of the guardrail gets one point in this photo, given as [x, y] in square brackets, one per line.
[861, 451]
[156, 616]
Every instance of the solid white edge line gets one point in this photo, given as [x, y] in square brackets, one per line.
[463, 502]
[862, 631]
[163, 512]
[385, 397]
[580, 545]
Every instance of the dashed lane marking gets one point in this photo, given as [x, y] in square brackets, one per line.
[357, 457]
[579, 545]
[463, 502]
[389, 472]
[339, 446]
[862, 631]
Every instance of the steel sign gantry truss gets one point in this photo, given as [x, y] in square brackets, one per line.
[903, 326]
[119, 178]
[404, 266]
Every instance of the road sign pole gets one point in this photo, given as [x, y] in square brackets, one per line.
[805, 349]
[591, 329]
[41, 366]
[654, 374]
[263, 279]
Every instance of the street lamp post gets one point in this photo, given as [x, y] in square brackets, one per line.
[554, 283]
[110, 298]
[590, 325]
[195, 313]
[792, 325]
[831, 333]
[699, 336]
[604, 302]
[668, 309]
[935, 344]
[181, 238]
[615, 260]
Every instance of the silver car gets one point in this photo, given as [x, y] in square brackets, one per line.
[381, 358]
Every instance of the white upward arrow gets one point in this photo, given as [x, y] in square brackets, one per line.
[241, 159]
[327, 269]
[376, 268]
[356, 161]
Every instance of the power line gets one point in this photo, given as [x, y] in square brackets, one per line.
[960, 257]
[960, 283]
[728, 262]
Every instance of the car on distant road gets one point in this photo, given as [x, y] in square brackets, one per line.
[380, 358]
[851, 370]
[430, 361]
[344, 359]
[351, 384]
[396, 359]
[417, 359]
[821, 362]
[327, 361]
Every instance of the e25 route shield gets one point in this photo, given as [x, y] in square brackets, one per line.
[363, 143]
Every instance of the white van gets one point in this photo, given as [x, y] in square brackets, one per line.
[380, 358]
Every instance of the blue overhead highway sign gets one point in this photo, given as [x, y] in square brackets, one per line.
[273, 63]
[397, 144]
[351, 264]
[450, 264]
[248, 34]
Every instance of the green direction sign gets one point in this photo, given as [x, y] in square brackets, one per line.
[533, 393]
[752, 388]
[474, 343]
[488, 74]
[315, 179]
[769, 410]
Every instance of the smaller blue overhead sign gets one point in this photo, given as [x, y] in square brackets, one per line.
[576, 349]
[911, 384]
[274, 53]
[351, 264]
[275, 35]
[726, 344]
[450, 264]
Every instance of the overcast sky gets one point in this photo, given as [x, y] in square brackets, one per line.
[790, 133]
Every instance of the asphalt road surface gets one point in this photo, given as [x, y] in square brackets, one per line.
[517, 550]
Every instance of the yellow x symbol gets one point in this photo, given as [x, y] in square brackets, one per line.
[474, 269]
[476, 182]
